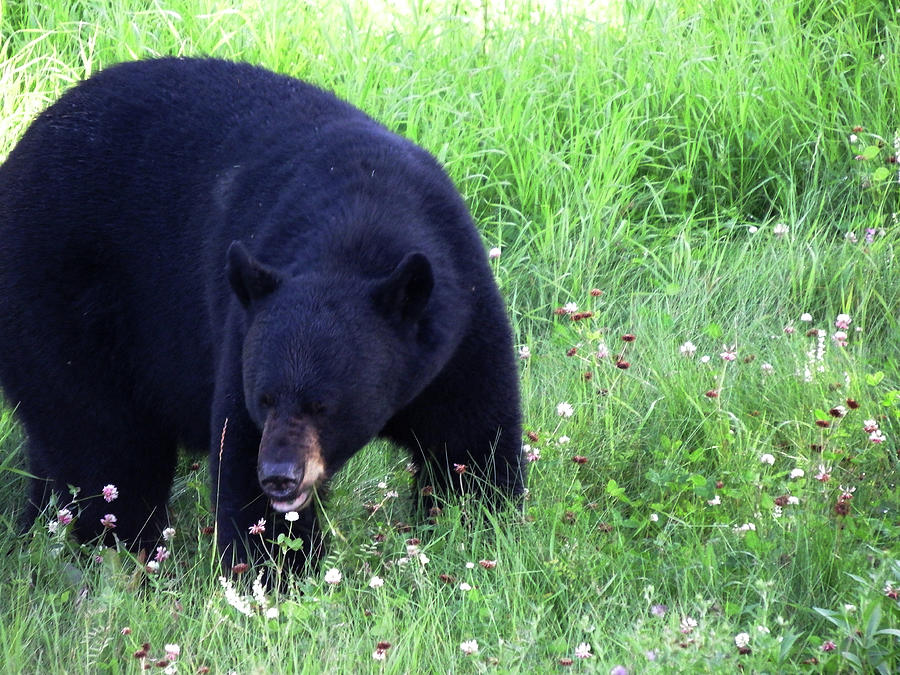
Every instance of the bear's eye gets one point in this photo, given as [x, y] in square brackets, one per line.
[316, 407]
[266, 401]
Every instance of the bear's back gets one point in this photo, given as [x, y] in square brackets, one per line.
[106, 260]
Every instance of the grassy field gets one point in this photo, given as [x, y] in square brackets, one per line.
[719, 493]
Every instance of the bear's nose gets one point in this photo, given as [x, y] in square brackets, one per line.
[279, 480]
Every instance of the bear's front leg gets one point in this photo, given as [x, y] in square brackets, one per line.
[238, 503]
[465, 428]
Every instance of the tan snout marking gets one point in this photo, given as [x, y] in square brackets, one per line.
[314, 468]
[302, 438]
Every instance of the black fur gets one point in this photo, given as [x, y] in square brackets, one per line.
[185, 242]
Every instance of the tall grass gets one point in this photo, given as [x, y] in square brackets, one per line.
[648, 150]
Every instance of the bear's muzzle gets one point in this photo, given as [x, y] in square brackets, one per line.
[290, 462]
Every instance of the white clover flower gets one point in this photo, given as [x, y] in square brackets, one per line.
[565, 409]
[688, 349]
[469, 647]
[688, 624]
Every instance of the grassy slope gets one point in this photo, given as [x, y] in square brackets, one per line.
[633, 158]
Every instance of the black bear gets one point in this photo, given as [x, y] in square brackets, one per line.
[204, 254]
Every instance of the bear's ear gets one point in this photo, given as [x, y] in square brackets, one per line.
[250, 279]
[404, 294]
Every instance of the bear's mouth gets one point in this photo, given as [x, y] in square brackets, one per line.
[283, 506]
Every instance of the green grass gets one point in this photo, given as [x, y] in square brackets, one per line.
[626, 147]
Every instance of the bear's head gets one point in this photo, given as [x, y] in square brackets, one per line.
[328, 359]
